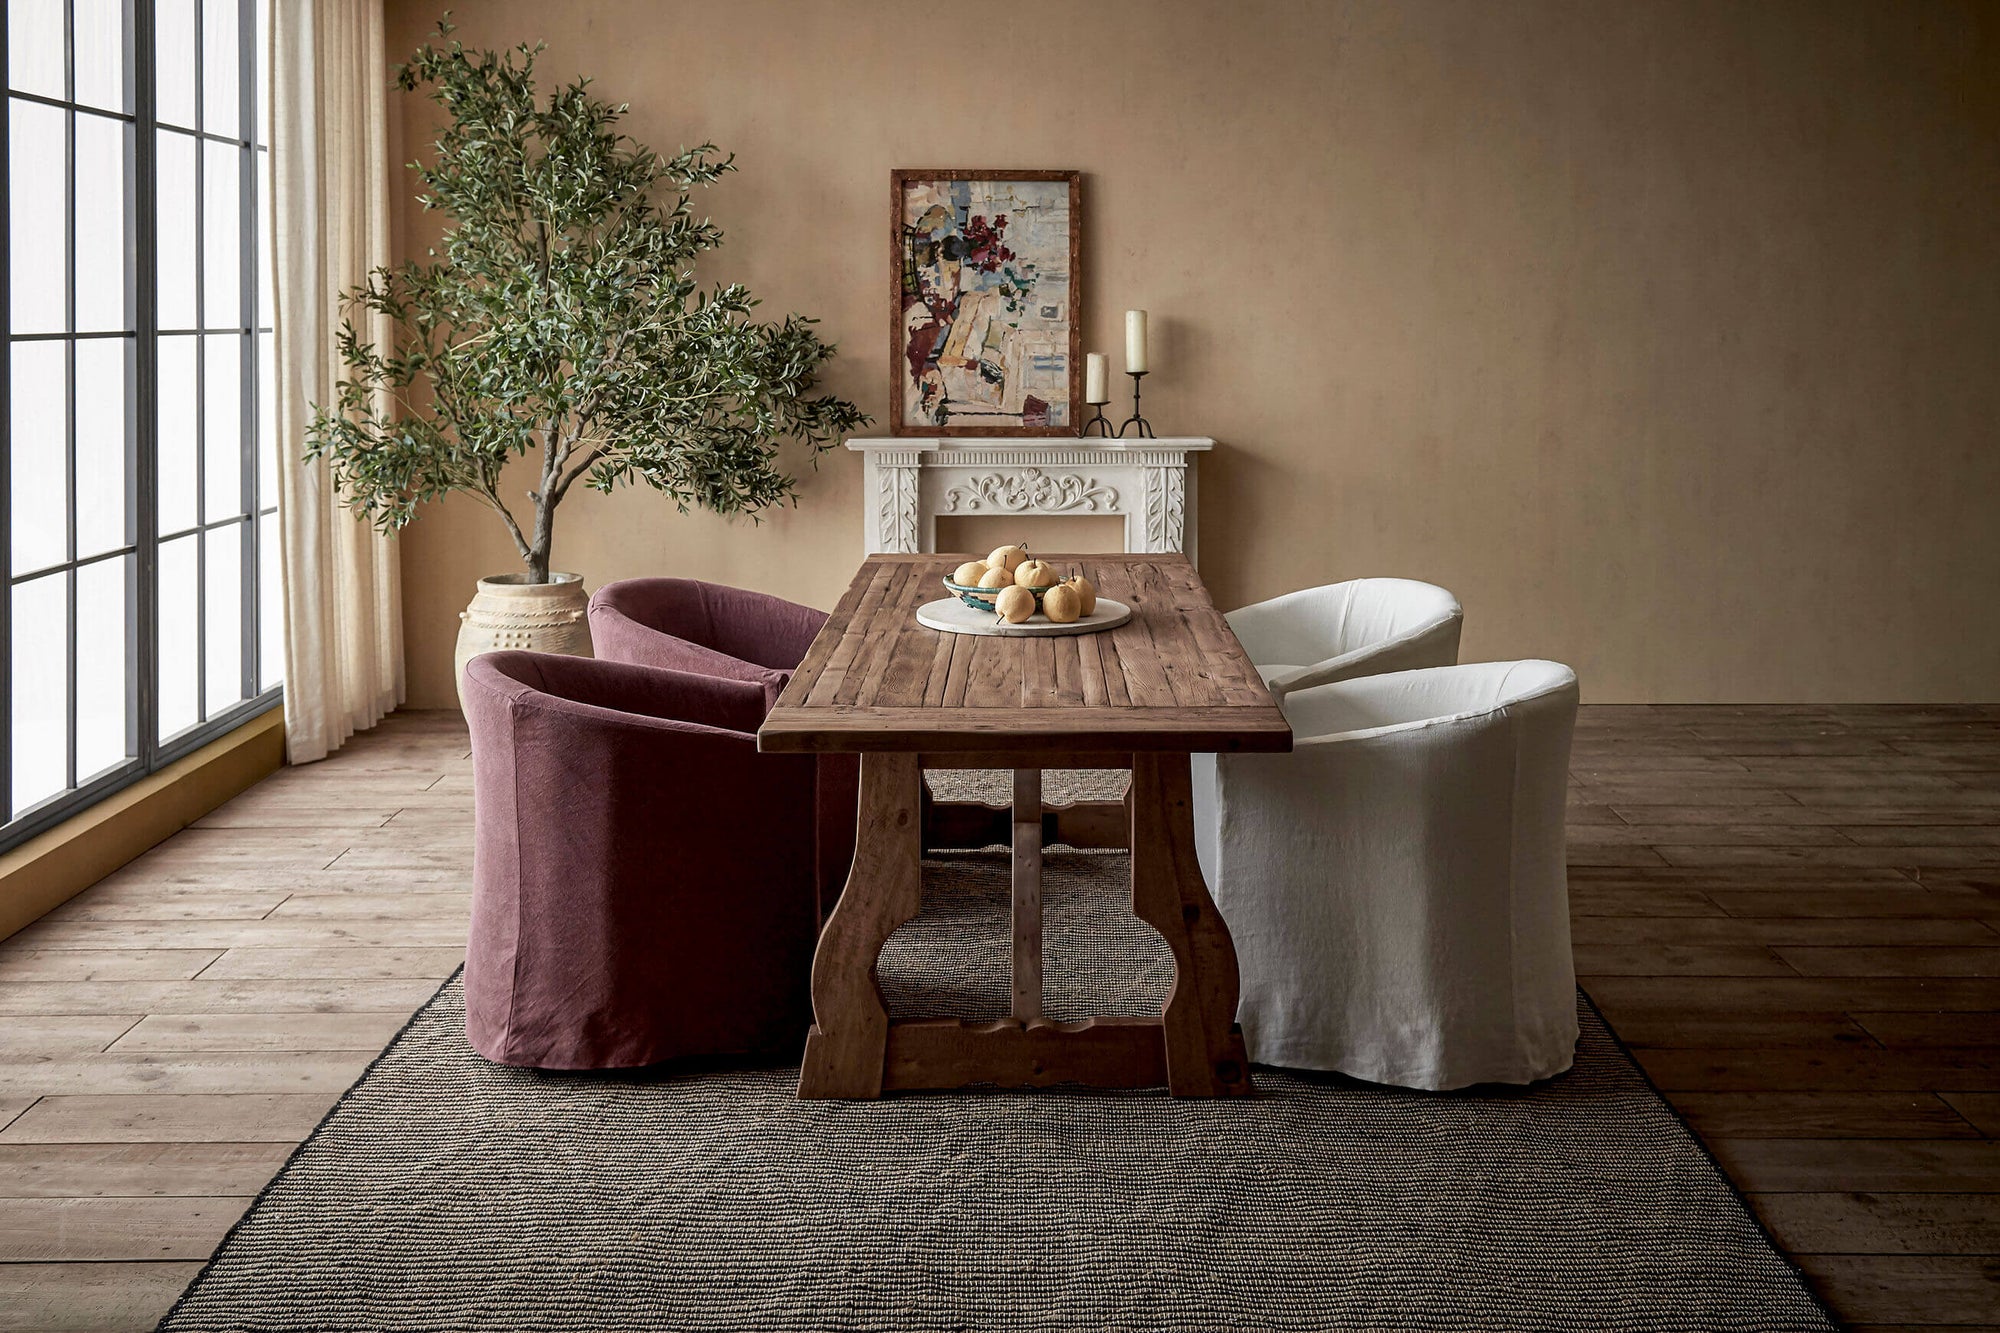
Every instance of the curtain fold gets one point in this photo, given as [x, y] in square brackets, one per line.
[330, 214]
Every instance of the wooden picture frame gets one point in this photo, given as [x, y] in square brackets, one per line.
[999, 367]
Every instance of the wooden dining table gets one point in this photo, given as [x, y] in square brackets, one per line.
[1144, 696]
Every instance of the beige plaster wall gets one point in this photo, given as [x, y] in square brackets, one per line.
[1667, 334]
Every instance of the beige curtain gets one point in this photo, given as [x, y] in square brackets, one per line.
[330, 181]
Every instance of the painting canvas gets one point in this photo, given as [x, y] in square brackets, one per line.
[985, 338]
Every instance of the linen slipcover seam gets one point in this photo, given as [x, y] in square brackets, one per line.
[520, 872]
[1419, 724]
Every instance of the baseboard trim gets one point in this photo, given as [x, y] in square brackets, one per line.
[54, 866]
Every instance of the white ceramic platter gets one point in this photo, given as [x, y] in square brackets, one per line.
[955, 617]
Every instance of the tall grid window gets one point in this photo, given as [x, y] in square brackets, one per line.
[138, 495]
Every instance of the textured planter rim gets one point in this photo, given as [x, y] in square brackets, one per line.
[518, 583]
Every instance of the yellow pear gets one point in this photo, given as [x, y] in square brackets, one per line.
[1014, 604]
[1086, 593]
[968, 574]
[1007, 558]
[996, 577]
[1035, 574]
[1061, 604]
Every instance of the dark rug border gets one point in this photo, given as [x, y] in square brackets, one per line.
[1735, 1192]
[277, 1177]
[285, 1169]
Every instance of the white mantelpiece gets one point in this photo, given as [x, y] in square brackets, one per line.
[913, 479]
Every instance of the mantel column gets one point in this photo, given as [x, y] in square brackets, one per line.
[893, 526]
[1166, 506]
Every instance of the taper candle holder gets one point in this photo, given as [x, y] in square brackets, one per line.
[1145, 428]
[1098, 425]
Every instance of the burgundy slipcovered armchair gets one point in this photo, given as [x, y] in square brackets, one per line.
[630, 904]
[733, 634]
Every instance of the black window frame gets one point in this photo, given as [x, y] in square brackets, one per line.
[146, 751]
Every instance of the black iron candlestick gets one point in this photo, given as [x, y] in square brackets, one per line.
[1145, 431]
[1097, 425]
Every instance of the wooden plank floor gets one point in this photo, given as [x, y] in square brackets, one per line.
[168, 1037]
[1791, 914]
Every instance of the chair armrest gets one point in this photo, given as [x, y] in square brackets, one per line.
[1432, 645]
[640, 694]
[686, 696]
[620, 638]
[1332, 669]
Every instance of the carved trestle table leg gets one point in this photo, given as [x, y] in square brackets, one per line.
[1204, 1047]
[849, 1039]
[1195, 1047]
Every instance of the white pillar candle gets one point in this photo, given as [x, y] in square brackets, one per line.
[1135, 341]
[1093, 379]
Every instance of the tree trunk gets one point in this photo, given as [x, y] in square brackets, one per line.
[538, 549]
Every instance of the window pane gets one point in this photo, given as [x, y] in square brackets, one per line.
[262, 240]
[100, 53]
[40, 627]
[225, 617]
[100, 224]
[267, 424]
[222, 233]
[179, 637]
[101, 523]
[37, 177]
[173, 75]
[177, 426]
[176, 240]
[103, 611]
[260, 43]
[35, 46]
[222, 419]
[270, 609]
[221, 50]
[38, 458]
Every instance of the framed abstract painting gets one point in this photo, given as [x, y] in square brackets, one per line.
[986, 314]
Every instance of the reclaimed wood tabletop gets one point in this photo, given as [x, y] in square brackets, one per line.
[1173, 678]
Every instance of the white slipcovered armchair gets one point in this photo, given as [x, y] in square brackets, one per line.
[1396, 884]
[1359, 628]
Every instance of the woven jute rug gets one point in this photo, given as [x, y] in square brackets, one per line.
[447, 1193]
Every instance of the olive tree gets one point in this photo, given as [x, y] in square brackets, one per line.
[559, 316]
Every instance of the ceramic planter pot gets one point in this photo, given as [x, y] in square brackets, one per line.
[508, 612]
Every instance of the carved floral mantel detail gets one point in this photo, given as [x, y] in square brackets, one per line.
[1166, 508]
[911, 481]
[1030, 490]
[899, 507]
